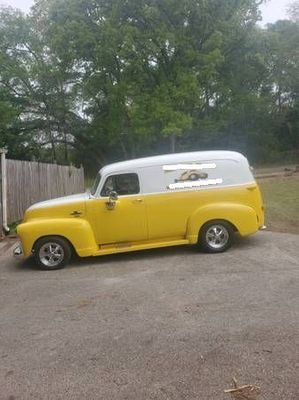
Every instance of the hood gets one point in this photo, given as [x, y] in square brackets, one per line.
[74, 198]
[61, 207]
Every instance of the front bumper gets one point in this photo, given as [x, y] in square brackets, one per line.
[18, 250]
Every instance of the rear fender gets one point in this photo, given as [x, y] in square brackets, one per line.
[242, 217]
[77, 231]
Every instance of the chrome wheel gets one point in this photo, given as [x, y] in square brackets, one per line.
[217, 236]
[51, 254]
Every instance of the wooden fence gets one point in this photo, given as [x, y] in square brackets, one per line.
[29, 182]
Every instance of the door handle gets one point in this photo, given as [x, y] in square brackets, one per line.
[76, 213]
[137, 201]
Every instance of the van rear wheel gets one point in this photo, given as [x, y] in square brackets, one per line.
[52, 252]
[216, 236]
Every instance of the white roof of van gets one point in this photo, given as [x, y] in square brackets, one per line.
[132, 165]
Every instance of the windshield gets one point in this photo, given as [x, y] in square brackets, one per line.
[95, 184]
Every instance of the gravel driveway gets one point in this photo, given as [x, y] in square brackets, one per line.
[169, 324]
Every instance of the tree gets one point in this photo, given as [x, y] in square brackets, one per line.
[98, 80]
[149, 66]
[39, 86]
[283, 73]
[293, 11]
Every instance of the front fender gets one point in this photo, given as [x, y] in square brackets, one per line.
[77, 231]
[241, 216]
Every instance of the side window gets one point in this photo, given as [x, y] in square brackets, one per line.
[122, 184]
[108, 186]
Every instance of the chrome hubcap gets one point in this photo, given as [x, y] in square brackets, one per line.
[51, 254]
[217, 236]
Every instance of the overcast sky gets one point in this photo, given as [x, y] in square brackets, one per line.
[271, 11]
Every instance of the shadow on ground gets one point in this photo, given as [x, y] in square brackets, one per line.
[151, 254]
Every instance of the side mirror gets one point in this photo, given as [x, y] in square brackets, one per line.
[110, 204]
[113, 196]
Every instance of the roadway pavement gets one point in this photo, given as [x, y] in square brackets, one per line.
[169, 324]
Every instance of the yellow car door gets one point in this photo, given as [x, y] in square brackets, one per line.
[122, 220]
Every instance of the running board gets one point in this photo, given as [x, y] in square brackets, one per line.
[126, 247]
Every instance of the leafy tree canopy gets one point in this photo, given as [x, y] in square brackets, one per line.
[96, 80]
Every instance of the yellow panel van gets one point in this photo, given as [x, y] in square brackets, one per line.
[201, 198]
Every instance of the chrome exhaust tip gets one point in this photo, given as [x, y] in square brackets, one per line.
[262, 228]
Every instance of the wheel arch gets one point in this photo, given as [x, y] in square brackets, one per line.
[73, 250]
[241, 217]
[76, 231]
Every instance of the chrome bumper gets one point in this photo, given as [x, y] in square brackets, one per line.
[18, 250]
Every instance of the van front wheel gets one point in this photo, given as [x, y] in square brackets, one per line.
[216, 236]
[52, 252]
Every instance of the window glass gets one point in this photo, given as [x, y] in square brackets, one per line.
[95, 185]
[123, 184]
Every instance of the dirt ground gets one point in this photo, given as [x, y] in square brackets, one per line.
[283, 225]
[169, 324]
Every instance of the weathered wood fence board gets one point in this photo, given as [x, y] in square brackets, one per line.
[29, 182]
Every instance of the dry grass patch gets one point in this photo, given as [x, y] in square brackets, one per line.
[246, 392]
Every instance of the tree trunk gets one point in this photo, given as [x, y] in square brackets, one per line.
[54, 158]
[124, 149]
[66, 153]
[207, 99]
[172, 143]
[279, 99]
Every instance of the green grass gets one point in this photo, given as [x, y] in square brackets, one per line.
[281, 199]
[13, 228]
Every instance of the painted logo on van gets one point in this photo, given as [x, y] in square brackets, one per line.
[192, 176]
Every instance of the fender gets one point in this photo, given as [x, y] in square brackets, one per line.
[76, 230]
[243, 217]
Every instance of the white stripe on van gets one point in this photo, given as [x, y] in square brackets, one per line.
[178, 167]
[191, 184]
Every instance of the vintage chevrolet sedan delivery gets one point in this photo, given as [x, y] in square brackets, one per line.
[199, 198]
